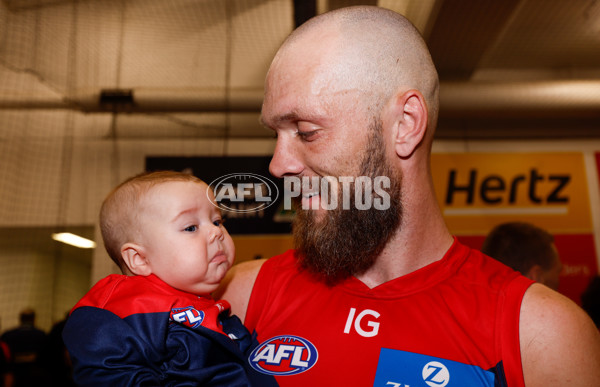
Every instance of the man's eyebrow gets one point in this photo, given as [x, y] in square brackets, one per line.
[275, 121]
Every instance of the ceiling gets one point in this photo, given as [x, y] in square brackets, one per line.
[510, 68]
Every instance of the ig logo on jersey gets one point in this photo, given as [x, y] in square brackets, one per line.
[284, 355]
[187, 316]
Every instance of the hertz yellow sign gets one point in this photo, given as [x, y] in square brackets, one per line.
[476, 191]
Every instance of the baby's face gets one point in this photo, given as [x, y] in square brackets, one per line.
[184, 239]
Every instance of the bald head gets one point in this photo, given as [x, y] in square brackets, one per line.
[371, 50]
[120, 213]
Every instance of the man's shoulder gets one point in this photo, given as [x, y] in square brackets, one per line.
[559, 342]
[238, 284]
[246, 273]
[545, 310]
[285, 260]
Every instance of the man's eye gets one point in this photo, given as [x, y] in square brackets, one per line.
[191, 228]
[307, 136]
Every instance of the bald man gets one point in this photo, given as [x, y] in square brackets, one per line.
[383, 294]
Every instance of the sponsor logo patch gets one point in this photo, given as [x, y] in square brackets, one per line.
[405, 369]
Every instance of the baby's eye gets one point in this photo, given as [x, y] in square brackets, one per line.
[218, 222]
[191, 228]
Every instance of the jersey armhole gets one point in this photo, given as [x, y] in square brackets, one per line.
[507, 328]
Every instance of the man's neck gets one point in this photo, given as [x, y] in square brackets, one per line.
[410, 249]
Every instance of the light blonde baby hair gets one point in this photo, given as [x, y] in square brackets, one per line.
[119, 214]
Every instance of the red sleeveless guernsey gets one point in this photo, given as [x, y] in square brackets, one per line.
[454, 322]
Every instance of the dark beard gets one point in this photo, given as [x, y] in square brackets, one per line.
[347, 242]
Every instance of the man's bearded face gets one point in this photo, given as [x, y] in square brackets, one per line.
[346, 242]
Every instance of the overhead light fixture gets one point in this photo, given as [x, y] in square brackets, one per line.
[74, 240]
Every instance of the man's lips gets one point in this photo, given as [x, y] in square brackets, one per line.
[311, 200]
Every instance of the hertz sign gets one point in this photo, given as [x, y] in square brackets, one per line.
[476, 191]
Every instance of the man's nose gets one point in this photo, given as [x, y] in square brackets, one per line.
[285, 161]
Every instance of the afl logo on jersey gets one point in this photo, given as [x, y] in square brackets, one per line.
[187, 316]
[284, 355]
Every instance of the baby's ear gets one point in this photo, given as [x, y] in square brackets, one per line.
[135, 259]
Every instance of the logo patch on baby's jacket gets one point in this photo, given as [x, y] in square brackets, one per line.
[187, 316]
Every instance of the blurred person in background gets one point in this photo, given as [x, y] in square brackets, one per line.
[590, 300]
[25, 343]
[6, 376]
[525, 248]
[55, 359]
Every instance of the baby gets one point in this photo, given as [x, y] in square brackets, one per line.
[157, 324]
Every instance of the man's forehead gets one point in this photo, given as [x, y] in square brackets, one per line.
[315, 48]
[317, 38]
[314, 113]
[276, 120]
[292, 96]
[304, 80]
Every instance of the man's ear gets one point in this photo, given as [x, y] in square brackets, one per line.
[135, 258]
[535, 273]
[408, 115]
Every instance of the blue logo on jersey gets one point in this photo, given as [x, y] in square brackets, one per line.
[187, 316]
[284, 355]
[399, 368]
